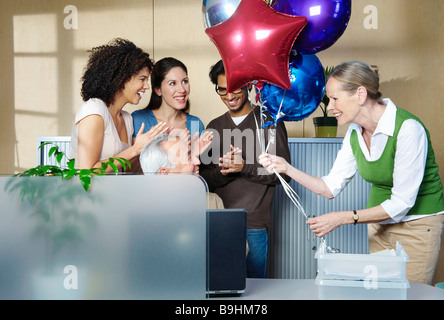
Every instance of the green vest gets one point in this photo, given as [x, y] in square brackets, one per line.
[380, 172]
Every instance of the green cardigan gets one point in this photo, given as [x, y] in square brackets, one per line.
[380, 172]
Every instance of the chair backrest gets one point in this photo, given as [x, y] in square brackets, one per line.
[63, 142]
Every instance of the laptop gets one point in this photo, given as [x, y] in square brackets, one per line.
[226, 244]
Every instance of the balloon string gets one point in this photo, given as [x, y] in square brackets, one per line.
[272, 133]
[287, 188]
[272, 137]
[291, 194]
[280, 106]
[295, 199]
[258, 132]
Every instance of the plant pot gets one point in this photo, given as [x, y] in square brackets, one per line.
[325, 127]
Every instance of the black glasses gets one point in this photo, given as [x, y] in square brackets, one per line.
[223, 91]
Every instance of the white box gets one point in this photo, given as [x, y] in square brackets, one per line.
[362, 276]
[358, 290]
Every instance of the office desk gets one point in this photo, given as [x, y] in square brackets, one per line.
[306, 289]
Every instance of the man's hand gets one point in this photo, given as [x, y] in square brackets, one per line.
[232, 161]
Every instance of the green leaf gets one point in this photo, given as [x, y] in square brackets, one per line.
[59, 157]
[325, 100]
[114, 167]
[104, 165]
[52, 150]
[69, 174]
[85, 181]
[45, 215]
[124, 163]
[37, 171]
[99, 171]
[85, 172]
[71, 164]
[43, 144]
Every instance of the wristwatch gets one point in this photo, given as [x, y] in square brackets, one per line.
[355, 216]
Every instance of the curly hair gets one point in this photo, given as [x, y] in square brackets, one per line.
[110, 67]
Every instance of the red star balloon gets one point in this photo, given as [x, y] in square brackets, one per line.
[255, 44]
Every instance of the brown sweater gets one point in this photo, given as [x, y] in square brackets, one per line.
[253, 187]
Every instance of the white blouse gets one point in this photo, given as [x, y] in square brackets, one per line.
[410, 159]
[112, 144]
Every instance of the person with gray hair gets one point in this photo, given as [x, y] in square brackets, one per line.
[173, 154]
[154, 157]
[391, 149]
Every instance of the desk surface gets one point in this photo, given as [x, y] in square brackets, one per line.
[306, 289]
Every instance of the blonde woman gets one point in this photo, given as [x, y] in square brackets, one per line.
[391, 149]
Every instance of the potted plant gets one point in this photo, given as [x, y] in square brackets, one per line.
[84, 175]
[325, 126]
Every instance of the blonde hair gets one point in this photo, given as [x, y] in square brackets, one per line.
[354, 74]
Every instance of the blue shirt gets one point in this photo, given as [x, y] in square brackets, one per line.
[146, 116]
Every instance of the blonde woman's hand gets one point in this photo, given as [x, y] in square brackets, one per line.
[273, 162]
[326, 223]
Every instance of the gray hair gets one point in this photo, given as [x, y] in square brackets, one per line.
[354, 74]
[153, 157]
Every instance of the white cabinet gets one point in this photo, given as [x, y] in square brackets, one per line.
[292, 243]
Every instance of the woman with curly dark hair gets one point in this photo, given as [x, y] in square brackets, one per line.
[116, 74]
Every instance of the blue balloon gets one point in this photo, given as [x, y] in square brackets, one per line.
[307, 89]
[217, 11]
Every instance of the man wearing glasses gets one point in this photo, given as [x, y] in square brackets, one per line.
[234, 172]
